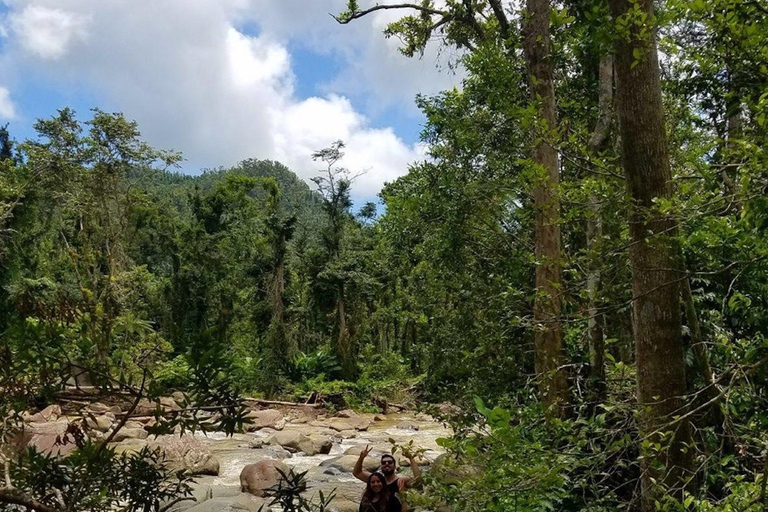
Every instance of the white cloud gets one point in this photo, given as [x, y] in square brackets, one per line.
[6, 105]
[198, 81]
[254, 61]
[315, 123]
[48, 32]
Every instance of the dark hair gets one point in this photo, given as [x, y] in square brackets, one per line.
[388, 456]
[383, 495]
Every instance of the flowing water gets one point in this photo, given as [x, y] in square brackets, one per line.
[222, 492]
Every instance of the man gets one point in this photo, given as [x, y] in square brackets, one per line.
[389, 469]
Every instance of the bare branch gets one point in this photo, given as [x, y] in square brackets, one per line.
[359, 14]
[18, 497]
[498, 11]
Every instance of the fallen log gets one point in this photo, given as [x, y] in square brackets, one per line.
[260, 401]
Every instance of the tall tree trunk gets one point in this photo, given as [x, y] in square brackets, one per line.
[280, 351]
[548, 337]
[343, 342]
[653, 256]
[594, 232]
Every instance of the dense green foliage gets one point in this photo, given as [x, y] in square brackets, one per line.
[246, 280]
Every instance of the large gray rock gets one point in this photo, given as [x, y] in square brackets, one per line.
[267, 418]
[358, 423]
[50, 438]
[258, 477]
[101, 422]
[299, 442]
[50, 413]
[187, 453]
[316, 444]
[346, 463]
[130, 445]
[97, 408]
[146, 407]
[288, 439]
[131, 432]
[169, 403]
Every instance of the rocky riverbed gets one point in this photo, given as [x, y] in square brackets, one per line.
[326, 471]
[304, 439]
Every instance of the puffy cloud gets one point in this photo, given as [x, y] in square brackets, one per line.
[6, 105]
[215, 80]
[253, 61]
[375, 155]
[48, 32]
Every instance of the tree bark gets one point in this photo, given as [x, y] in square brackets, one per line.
[595, 231]
[548, 338]
[343, 342]
[653, 256]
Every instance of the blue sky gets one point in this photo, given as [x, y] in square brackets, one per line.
[223, 80]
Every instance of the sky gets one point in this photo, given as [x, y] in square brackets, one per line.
[225, 80]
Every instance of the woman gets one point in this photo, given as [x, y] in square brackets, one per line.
[377, 497]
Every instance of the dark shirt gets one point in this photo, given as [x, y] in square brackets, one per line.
[393, 505]
[394, 494]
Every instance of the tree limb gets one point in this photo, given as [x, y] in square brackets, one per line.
[17, 497]
[498, 11]
[359, 14]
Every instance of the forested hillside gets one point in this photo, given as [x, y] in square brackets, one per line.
[579, 267]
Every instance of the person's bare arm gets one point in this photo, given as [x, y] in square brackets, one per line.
[358, 470]
[407, 481]
[415, 468]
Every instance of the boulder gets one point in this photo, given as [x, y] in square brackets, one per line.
[134, 424]
[130, 445]
[346, 463]
[340, 424]
[257, 478]
[249, 503]
[169, 404]
[276, 451]
[298, 442]
[50, 438]
[287, 439]
[315, 444]
[347, 413]
[132, 432]
[407, 425]
[50, 413]
[97, 408]
[146, 407]
[319, 423]
[187, 453]
[267, 418]
[180, 398]
[376, 452]
[101, 422]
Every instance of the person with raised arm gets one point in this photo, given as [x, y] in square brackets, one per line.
[388, 468]
[377, 497]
